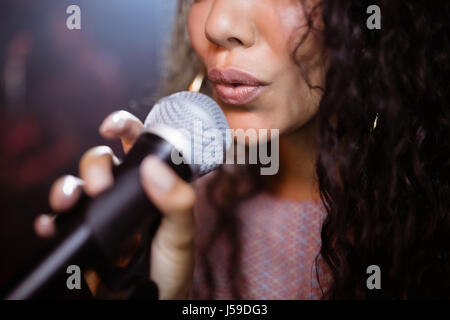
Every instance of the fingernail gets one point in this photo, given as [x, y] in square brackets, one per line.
[44, 226]
[70, 185]
[159, 175]
[113, 122]
[46, 219]
[65, 193]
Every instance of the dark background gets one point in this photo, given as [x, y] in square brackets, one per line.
[56, 87]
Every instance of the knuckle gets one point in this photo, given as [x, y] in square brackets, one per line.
[185, 198]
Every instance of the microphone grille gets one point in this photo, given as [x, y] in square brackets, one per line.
[195, 124]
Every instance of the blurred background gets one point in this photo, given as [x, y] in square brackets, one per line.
[56, 87]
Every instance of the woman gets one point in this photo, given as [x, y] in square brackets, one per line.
[364, 154]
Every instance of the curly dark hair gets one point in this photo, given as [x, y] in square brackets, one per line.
[385, 187]
[387, 190]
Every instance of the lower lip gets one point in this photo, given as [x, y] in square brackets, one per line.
[238, 95]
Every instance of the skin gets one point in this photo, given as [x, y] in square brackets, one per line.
[243, 34]
[257, 36]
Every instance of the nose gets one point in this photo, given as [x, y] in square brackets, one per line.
[229, 24]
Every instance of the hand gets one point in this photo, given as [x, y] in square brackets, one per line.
[172, 249]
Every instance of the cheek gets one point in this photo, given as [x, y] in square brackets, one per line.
[196, 28]
[293, 102]
[279, 26]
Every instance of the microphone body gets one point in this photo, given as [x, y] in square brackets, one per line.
[109, 219]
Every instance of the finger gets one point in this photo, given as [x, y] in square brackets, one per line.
[96, 169]
[174, 198]
[93, 281]
[123, 125]
[65, 192]
[44, 226]
[128, 250]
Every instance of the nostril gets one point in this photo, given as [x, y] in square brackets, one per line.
[235, 40]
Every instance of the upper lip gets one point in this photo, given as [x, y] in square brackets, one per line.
[233, 76]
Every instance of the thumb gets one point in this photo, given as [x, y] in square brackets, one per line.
[173, 196]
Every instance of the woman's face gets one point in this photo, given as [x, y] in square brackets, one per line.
[248, 49]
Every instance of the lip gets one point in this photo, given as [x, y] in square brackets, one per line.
[235, 86]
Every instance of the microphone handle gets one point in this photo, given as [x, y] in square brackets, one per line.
[108, 220]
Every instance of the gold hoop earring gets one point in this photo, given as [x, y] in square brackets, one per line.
[197, 83]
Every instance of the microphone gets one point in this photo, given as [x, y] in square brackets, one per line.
[188, 131]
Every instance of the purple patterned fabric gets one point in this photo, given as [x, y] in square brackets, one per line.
[280, 242]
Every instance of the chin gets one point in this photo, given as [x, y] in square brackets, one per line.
[244, 121]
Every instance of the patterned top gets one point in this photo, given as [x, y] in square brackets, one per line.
[280, 242]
